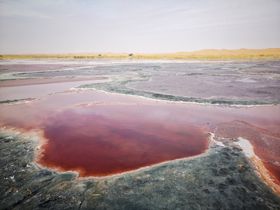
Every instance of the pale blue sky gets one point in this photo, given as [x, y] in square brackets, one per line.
[60, 26]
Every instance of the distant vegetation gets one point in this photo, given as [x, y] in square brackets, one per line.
[272, 53]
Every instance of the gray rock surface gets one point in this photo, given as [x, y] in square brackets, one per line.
[222, 178]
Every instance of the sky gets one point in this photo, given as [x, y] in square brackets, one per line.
[137, 26]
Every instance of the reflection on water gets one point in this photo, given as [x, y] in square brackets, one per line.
[36, 91]
[98, 133]
[96, 144]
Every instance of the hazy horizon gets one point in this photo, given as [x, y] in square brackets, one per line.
[72, 26]
[139, 53]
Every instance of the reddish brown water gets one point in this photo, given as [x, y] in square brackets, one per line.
[266, 142]
[95, 144]
[102, 134]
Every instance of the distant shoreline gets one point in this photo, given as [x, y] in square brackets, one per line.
[210, 54]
